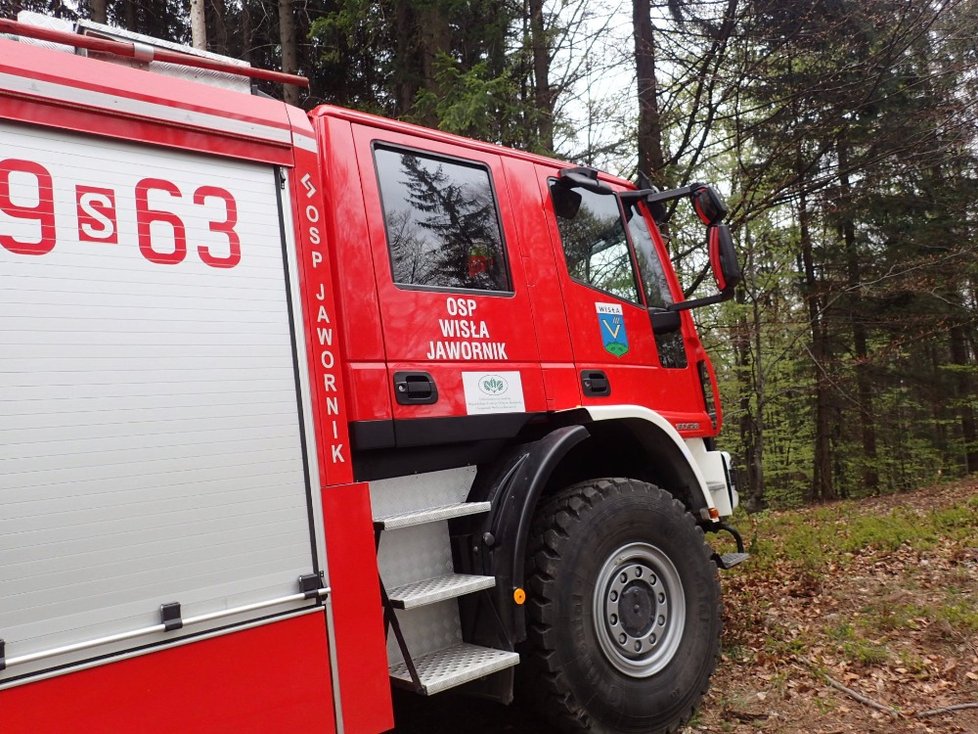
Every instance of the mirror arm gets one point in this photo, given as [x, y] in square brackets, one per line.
[652, 196]
[697, 302]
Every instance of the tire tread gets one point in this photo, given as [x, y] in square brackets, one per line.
[551, 692]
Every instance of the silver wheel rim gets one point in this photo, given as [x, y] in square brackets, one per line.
[639, 609]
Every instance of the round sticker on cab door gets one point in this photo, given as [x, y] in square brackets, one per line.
[493, 392]
[611, 322]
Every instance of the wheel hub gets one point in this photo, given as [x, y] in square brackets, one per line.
[639, 609]
[636, 609]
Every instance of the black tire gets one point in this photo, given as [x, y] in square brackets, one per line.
[593, 547]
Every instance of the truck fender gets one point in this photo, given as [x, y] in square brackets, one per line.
[638, 412]
[514, 488]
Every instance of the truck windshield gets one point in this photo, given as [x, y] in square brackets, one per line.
[657, 294]
[672, 352]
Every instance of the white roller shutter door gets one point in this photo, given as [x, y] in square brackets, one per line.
[150, 437]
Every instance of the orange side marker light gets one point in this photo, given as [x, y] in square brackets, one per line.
[519, 596]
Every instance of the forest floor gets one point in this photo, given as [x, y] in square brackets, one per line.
[855, 617]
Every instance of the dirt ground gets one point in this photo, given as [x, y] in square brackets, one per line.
[860, 617]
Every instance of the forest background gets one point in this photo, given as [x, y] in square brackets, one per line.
[844, 135]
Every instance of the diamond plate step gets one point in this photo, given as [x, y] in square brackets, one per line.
[432, 514]
[453, 666]
[440, 588]
[729, 560]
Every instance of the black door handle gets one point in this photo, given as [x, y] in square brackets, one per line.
[595, 383]
[415, 388]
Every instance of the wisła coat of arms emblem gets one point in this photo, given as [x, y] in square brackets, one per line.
[611, 322]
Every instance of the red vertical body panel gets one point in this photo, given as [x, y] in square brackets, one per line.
[349, 244]
[360, 645]
[273, 678]
[358, 620]
[322, 324]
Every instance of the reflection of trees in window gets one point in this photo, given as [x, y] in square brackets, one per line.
[672, 351]
[441, 220]
[657, 292]
[595, 247]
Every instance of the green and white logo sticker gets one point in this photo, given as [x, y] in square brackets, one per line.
[493, 392]
[493, 385]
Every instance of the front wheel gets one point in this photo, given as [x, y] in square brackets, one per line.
[624, 610]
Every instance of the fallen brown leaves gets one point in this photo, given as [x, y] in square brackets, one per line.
[880, 639]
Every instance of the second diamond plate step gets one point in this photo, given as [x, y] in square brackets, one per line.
[430, 591]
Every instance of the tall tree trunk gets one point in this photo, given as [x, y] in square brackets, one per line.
[759, 422]
[406, 84]
[822, 466]
[247, 31]
[864, 386]
[751, 390]
[131, 16]
[754, 491]
[198, 24]
[290, 48]
[432, 32]
[959, 357]
[543, 96]
[217, 21]
[651, 159]
[99, 11]
[938, 406]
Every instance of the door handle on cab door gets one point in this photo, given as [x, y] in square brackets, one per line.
[595, 383]
[415, 388]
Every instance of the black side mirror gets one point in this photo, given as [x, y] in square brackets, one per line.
[583, 178]
[723, 263]
[709, 205]
[566, 201]
[723, 259]
[664, 321]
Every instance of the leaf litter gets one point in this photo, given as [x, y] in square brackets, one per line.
[855, 617]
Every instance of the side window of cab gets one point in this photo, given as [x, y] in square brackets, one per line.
[595, 245]
[442, 220]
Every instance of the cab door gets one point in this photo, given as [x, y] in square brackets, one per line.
[458, 335]
[611, 268]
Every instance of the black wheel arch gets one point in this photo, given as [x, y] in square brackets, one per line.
[633, 448]
[522, 476]
[495, 544]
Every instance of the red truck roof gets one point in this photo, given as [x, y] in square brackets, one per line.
[408, 128]
[38, 84]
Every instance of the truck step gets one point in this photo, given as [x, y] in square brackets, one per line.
[729, 560]
[453, 666]
[431, 514]
[440, 588]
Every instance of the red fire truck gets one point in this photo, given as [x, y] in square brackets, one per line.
[294, 407]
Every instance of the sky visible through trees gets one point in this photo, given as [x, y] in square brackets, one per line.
[844, 135]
